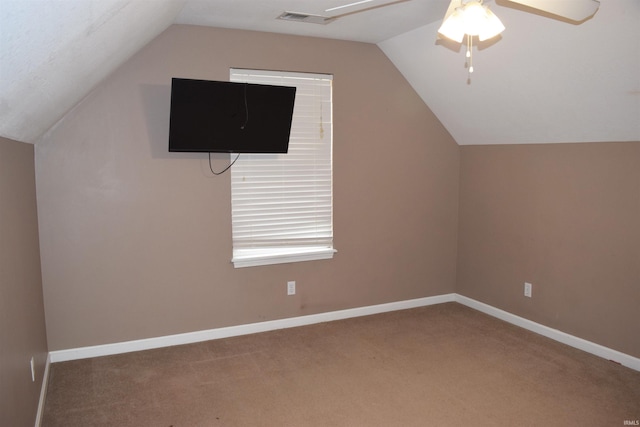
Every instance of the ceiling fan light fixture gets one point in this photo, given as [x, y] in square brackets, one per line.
[453, 28]
[492, 27]
[471, 18]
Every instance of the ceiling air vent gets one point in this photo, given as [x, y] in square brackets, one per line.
[305, 17]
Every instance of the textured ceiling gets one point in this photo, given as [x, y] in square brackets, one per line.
[54, 52]
[543, 81]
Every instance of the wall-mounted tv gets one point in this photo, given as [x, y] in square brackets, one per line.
[228, 117]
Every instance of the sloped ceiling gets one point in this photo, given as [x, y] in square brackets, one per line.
[53, 53]
[543, 81]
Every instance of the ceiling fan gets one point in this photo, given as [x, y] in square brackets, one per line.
[471, 18]
[575, 11]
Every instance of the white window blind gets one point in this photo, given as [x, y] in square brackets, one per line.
[282, 204]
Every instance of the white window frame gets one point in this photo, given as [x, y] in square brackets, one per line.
[282, 204]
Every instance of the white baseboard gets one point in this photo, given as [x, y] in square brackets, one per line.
[43, 391]
[554, 334]
[252, 328]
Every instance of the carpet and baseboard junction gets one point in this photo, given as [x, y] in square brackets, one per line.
[443, 360]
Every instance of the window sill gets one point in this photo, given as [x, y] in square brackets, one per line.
[256, 257]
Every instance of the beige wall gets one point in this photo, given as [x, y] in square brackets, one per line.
[136, 241]
[22, 326]
[565, 218]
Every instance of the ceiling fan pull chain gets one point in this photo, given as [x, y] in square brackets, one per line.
[470, 53]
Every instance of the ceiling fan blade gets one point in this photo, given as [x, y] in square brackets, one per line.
[452, 32]
[364, 9]
[343, 6]
[575, 10]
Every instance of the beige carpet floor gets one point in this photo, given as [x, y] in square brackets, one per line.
[442, 365]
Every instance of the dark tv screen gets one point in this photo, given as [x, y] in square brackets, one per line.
[229, 117]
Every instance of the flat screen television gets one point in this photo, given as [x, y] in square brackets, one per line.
[229, 117]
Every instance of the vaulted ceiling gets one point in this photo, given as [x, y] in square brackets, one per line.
[543, 81]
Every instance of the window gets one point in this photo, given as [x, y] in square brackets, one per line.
[282, 204]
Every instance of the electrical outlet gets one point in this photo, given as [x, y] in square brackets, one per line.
[527, 289]
[291, 288]
[33, 370]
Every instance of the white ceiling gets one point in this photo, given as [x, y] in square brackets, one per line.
[369, 22]
[543, 81]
